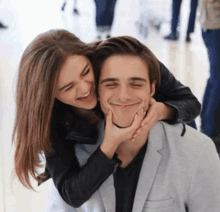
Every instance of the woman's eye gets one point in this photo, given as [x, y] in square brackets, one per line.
[69, 88]
[86, 72]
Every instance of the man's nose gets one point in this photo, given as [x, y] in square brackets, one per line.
[124, 94]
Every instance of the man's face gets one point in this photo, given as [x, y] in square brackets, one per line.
[124, 88]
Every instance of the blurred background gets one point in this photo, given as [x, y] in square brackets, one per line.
[149, 21]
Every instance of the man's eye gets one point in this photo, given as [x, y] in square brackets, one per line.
[86, 72]
[136, 85]
[111, 85]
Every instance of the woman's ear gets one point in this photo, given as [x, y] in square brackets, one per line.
[153, 88]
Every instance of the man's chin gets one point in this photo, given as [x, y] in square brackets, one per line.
[123, 124]
[123, 120]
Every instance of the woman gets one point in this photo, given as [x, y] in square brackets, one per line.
[56, 112]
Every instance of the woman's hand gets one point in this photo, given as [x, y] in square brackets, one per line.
[157, 111]
[119, 135]
[114, 135]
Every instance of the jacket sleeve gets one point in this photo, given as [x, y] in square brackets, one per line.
[204, 194]
[175, 94]
[74, 183]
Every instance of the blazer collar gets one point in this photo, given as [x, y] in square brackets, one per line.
[146, 178]
[107, 193]
[150, 165]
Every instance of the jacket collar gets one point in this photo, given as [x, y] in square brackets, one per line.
[78, 129]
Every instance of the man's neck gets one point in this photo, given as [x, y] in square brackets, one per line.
[128, 150]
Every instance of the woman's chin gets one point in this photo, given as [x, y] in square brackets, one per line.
[91, 105]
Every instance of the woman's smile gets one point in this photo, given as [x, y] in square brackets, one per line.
[87, 97]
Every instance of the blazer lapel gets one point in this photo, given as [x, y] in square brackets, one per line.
[107, 193]
[149, 167]
[107, 190]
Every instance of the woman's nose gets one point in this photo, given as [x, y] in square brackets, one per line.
[84, 87]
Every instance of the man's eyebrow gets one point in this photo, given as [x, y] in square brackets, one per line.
[109, 80]
[137, 79]
[130, 79]
[73, 82]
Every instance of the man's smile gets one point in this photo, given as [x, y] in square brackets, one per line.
[127, 106]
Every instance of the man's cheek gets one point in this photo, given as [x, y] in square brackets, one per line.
[105, 107]
[146, 105]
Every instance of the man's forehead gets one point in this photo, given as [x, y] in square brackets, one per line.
[124, 67]
[126, 74]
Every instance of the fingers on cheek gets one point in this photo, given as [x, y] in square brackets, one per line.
[138, 130]
[143, 114]
[145, 128]
[145, 122]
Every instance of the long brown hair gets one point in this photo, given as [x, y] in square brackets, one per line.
[38, 73]
[126, 45]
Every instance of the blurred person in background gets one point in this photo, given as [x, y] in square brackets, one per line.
[75, 10]
[210, 23]
[105, 10]
[2, 26]
[176, 6]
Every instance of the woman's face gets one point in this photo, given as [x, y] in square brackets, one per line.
[76, 83]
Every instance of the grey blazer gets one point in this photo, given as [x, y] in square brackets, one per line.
[178, 174]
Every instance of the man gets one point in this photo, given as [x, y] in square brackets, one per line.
[171, 168]
[176, 6]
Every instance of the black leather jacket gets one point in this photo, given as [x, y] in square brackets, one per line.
[76, 185]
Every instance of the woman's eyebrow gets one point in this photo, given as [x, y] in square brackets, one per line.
[84, 68]
[72, 81]
[66, 86]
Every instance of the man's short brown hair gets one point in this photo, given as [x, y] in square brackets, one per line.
[126, 45]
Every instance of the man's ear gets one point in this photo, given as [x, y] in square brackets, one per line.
[152, 88]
